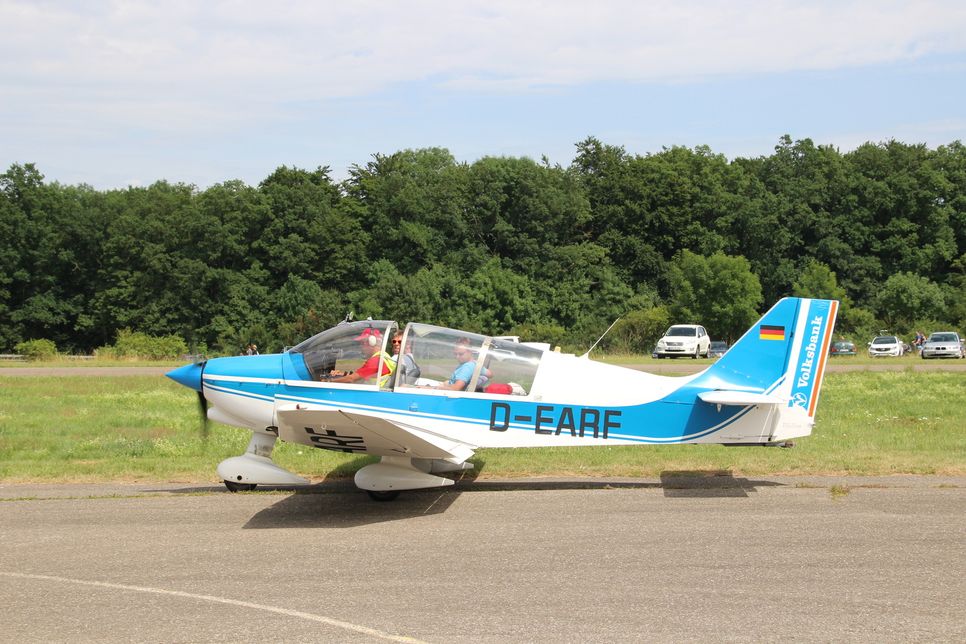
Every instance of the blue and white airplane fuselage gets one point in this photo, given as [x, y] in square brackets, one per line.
[763, 391]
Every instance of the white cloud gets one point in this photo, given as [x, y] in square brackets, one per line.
[313, 50]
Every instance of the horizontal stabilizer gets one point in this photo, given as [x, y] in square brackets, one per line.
[739, 398]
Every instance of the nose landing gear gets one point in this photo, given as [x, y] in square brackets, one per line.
[255, 466]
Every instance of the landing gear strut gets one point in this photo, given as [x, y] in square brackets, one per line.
[255, 466]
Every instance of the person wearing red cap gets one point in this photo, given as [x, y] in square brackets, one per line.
[370, 341]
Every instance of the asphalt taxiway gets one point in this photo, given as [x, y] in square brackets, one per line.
[684, 557]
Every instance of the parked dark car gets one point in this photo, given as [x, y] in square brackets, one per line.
[718, 348]
[842, 348]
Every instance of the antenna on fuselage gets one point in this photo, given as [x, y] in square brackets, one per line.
[587, 355]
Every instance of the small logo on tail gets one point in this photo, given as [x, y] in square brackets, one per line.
[767, 332]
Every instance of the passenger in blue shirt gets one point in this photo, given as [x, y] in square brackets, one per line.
[464, 372]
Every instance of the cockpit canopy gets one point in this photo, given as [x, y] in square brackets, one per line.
[337, 349]
[427, 357]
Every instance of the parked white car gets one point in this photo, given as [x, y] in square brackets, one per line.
[885, 345]
[942, 344]
[683, 340]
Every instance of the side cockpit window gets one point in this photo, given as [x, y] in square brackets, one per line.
[453, 360]
[513, 367]
[445, 358]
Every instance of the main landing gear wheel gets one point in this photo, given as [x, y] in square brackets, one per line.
[383, 496]
[239, 487]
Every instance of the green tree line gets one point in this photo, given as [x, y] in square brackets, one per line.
[501, 245]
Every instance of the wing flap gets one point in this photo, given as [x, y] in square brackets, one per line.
[351, 432]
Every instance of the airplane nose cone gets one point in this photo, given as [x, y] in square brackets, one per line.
[188, 375]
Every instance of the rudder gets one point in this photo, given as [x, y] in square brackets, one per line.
[779, 361]
[809, 354]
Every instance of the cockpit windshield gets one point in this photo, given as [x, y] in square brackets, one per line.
[344, 348]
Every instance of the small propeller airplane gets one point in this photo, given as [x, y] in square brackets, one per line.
[341, 390]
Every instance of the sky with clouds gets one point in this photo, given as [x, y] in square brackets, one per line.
[122, 93]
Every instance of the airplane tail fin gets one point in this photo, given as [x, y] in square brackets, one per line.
[780, 362]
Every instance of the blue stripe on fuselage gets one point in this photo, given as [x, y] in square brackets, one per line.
[623, 423]
[678, 416]
[671, 419]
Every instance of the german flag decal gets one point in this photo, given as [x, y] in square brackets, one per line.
[766, 332]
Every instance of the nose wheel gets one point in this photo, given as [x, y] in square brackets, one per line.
[239, 487]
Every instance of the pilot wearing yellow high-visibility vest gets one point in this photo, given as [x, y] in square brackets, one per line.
[370, 341]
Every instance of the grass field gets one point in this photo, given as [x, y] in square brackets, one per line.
[145, 428]
[68, 361]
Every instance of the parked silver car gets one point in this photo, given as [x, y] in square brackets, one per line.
[942, 344]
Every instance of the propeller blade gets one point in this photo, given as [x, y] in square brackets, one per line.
[203, 407]
[192, 376]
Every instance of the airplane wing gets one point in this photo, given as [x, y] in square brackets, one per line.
[350, 432]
